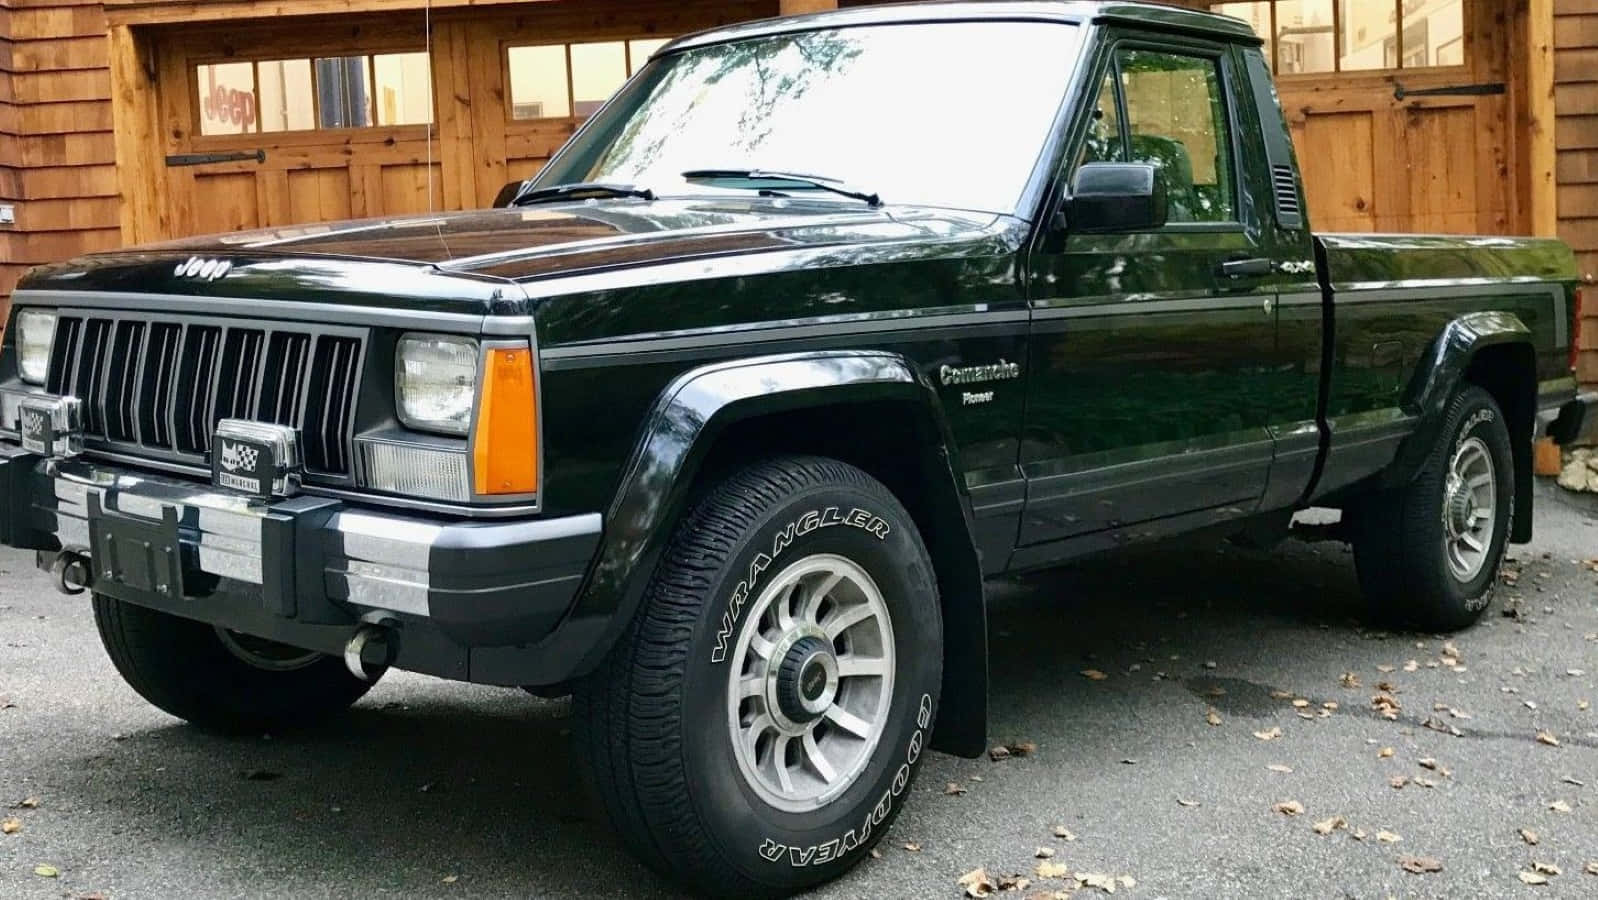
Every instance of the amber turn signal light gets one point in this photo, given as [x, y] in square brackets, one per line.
[505, 447]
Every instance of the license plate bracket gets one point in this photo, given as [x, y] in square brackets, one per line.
[137, 560]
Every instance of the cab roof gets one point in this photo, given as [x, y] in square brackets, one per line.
[1142, 15]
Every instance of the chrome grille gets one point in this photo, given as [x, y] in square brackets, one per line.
[157, 386]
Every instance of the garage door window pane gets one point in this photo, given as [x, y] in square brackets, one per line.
[404, 89]
[538, 84]
[344, 92]
[227, 98]
[1369, 38]
[1257, 14]
[1304, 39]
[1434, 33]
[597, 71]
[638, 52]
[285, 95]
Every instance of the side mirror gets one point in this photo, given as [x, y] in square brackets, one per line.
[1113, 197]
[507, 194]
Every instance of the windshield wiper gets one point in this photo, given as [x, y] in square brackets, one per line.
[815, 181]
[579, 190]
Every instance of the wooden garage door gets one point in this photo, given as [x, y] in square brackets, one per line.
[1400, 110]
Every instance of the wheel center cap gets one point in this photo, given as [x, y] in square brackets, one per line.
[1461, 507]
[807, 680]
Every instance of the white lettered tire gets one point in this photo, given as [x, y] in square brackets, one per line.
[760, 724]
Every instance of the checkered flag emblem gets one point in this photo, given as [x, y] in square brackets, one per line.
[238, 456]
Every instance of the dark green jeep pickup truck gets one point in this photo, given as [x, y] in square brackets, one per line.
[722, 422]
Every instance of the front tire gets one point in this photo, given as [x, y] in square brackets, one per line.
[219, 680]
[759, 725]
[1428, 552]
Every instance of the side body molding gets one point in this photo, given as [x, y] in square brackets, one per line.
[1438, 375]
[681, 430]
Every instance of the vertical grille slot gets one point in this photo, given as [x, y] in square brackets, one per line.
[63, 354]
[121, 372]
[156, 384]
[283, 376]
[195, 392]
[87, 379]
[239, 381]
[330, 404]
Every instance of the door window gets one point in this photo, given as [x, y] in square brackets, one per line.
[1176, 121]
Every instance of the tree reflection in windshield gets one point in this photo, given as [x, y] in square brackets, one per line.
[947, 114]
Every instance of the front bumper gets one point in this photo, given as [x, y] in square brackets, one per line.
[304, 570]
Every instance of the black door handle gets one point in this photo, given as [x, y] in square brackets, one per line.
[1244, 268]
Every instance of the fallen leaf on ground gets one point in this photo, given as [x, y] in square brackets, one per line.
[998, 753]
[1387, 705]
[912, 846]
[1023, 748]
[1270, 734]
[1063, 833]
[1357, 834]
[1281, 695]
[1424, 782]
[11, 826]
[1398, 781]
[1426, 762]
[1189, 803]
[1048, 869]
[1385, 753]
[1385, 668]
[1529, 836]
[1412, 665]
[1449, 650]
[1547, 737]
[1105, 883]
[1575, 781]
[1420, 865]
[954, 790]
[46, 871]
[1559, 806]
[976, 882]
[1044, 853]
[1436, 724]
[1017, 882]
[28, 803]
[1094, 675]
[1387, 837]
[1212, 716]
[1533, 878]
[1289, 808]
[1278, 767]
[1545, 868]
[876, 853]
[1348, 680]
[1327, 826]
[1300, 703]
[1592, 868]
[449, 879]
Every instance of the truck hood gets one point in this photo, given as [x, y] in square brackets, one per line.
[465, 261]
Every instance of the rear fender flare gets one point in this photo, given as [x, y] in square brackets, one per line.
[1438, 376]
[679, 433]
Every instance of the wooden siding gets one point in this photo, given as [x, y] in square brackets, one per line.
[56, 147]
[1576, 135]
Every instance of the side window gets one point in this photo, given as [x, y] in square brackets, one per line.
[1176, 120]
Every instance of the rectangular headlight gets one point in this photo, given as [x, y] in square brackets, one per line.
[35, 335]
[435, 382]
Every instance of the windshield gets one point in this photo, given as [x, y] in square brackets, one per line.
[939, 114]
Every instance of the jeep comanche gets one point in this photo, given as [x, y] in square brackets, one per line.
[722, 421]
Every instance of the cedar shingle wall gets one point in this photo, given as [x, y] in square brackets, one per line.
[1576, 134]
[56, 151]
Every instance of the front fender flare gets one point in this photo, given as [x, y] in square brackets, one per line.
[679, 433]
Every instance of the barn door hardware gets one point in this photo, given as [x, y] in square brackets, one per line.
[205, 159]
[1485, 89]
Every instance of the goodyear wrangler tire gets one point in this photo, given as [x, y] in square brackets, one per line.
[218, 680]
[1428, 553]
[759, 725]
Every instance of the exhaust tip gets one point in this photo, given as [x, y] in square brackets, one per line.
[72, 573]
[355, 651]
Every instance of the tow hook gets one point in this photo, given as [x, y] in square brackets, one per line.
[382, 633]
[72, 573]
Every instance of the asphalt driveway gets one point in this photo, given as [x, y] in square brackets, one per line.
[1233, 682]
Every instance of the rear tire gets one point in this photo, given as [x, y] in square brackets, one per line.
[221, 681]
[748, 662]
[1428, 552]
